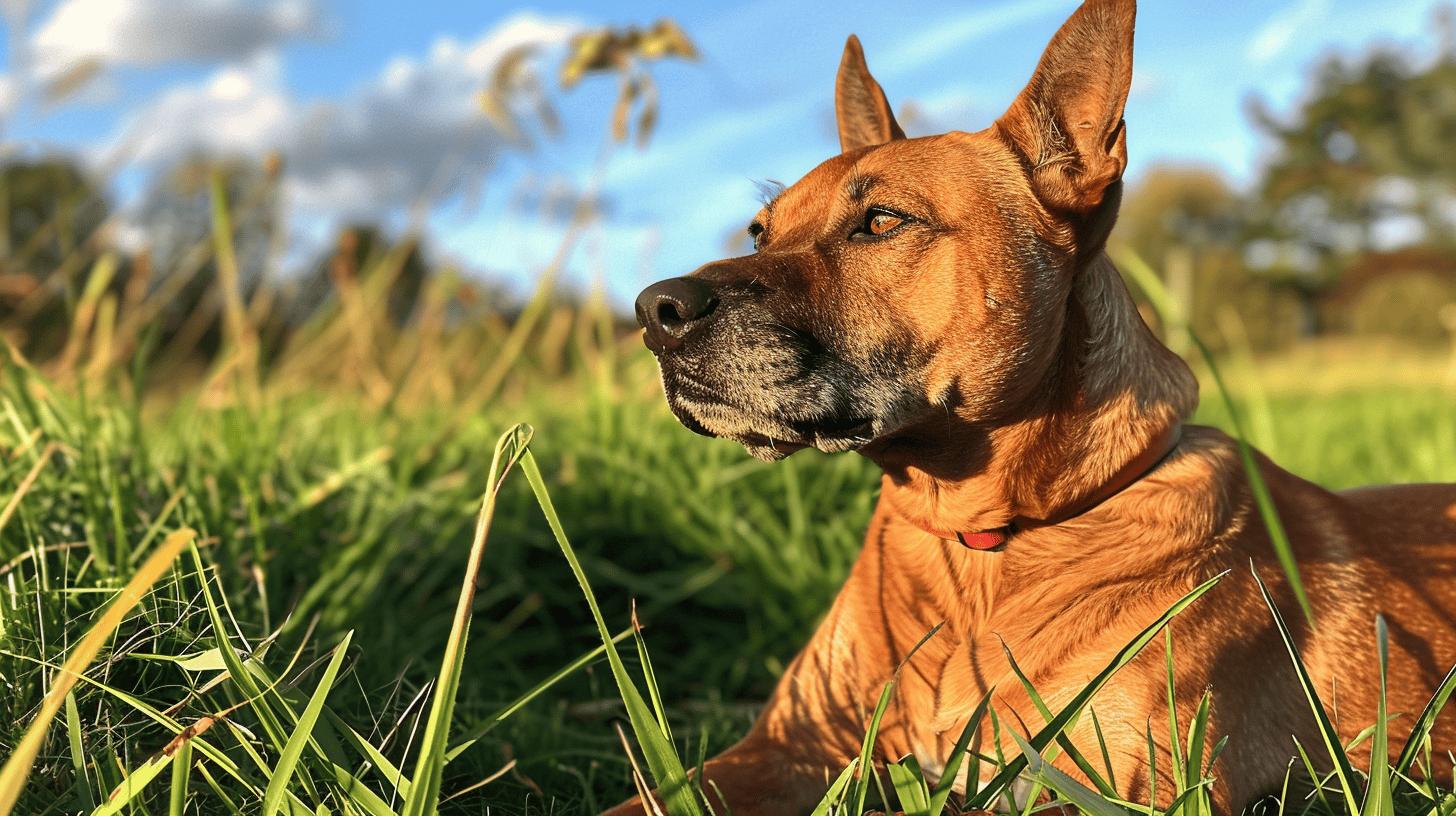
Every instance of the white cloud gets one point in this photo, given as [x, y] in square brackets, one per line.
[975, 25]
[9, 96]
[380, 147]
[112, 33]
[1278, 33]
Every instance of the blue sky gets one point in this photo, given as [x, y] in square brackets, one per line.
[373, 103]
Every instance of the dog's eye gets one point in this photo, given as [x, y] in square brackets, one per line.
[755, 231]
[878, 222]
[882, 222]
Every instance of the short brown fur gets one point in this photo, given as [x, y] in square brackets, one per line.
[1006, 374]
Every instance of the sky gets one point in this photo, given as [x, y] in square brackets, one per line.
[374, 104]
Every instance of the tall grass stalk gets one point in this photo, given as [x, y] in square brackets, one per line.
[1172, 312]
[666, 766]
[430, 765]
[18, 767]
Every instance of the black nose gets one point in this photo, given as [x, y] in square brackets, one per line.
[670, 310]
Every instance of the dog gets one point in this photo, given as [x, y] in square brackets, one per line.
[944, 306]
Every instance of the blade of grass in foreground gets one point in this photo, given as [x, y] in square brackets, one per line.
[515, 705]
[288, 760]
[1379, 800]
[943, 788]
[181, 769]
[1045, 737]
[866, 763]
[1424, 724]
[424, 791]
[18, 766]
[1086, 800]
[836, 790]
[872, 734]
[1346, 774]
[1169, 309]
[84, 798]
[662, 759]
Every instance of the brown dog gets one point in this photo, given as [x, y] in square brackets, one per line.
[943, 306]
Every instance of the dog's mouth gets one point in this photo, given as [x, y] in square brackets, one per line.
[773, 438]
[848, 429]
[831, 435]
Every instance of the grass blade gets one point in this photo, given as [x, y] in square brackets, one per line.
[1171, 687]
[17, 768]
[1192, 784]
[134, 784]
[662, 760]
[1084, 798]
[471, 737]
[1044, 737]
[181, 770]
[1102, 744]
[1062, 741]
[78, 753]
[430, 765]
[649, 676]
[833, 796]
[1424, 723]
[909, 783]
[867, 749]
[941, 794]
[872, 733]
[1168, 308]
[1378, 797]
[1336, 751]
[293, 750]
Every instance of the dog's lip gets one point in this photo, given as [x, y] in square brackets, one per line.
[834, 428]
[758, 440]
[691, 422]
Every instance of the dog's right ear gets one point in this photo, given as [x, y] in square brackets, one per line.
[860, 105]
[1067, 124]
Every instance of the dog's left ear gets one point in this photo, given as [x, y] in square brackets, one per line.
[860, 105]
[1067, 124]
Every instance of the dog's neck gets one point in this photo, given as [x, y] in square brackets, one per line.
[1113, 393]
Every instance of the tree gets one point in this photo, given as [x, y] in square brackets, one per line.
[1190, 223]
[49, 208]
[1363, 165]
[51, 213]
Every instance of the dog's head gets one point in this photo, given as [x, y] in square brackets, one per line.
[905, 279]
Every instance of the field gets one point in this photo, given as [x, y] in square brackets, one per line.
[334, 488]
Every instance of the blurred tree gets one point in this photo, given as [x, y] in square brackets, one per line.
[51, 213]
[1364, 164]
[49, 208]
[1188, 222]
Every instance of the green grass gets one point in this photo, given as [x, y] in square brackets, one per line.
[318, 514]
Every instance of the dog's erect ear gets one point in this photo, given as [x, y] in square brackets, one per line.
[860, 105]
[1067, 124]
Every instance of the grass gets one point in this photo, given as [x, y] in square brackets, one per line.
[319, 514]
[343, 640]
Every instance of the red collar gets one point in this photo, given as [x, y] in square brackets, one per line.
[1125, 477]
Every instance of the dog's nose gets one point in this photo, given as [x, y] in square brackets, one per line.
[670, 310]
